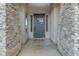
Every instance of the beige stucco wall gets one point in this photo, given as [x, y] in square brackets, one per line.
[22, 17]
[54, 15]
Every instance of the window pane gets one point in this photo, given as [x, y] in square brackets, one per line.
[46, 23]
[31, 22]
[26, 23]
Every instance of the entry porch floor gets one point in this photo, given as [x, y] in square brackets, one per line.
[39, 47]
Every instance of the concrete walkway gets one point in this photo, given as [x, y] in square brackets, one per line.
[39, 48]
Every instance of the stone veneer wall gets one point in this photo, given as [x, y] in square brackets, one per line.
[10, 38]
[2, 30]
[68, 43]
[13, 37]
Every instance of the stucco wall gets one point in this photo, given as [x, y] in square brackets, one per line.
[54, 20]
[22, 18]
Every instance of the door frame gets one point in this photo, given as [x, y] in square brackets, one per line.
[33, 25]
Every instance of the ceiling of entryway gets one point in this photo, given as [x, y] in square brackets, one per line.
[39, 4]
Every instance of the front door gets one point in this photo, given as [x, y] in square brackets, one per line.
[39, 26]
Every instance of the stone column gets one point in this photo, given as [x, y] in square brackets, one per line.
[2, 30]
[10, 38]
[13, 38]
[69, 29]
[76, 31]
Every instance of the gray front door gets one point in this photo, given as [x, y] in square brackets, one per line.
[39, 26]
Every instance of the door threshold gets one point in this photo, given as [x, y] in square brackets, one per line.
[39, 38]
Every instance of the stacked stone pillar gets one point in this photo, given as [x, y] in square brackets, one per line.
[68, 43]
[2, 30]
[10, 38]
